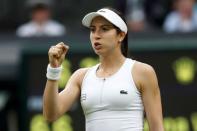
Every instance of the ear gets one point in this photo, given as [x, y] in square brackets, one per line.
[121, 36]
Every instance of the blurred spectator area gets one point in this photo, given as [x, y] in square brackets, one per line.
[9, 14]
[68, 12]
[154, 11]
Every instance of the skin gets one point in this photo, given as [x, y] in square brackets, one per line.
[185, 7]
[40, 16]
[106, 42]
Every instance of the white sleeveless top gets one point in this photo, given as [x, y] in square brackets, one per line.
[113, 103]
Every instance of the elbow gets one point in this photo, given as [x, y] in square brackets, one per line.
[158, 127]
[49, 117]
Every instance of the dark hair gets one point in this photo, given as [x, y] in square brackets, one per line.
[124, 44]
[39, 6]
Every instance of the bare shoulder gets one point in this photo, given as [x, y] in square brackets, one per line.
[142, 74]
[81, 71]
[143, 68]
[79, 74]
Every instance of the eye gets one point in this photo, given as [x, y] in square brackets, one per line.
[105, 28]
[92, 29]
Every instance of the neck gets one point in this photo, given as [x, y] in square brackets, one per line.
[111, 61]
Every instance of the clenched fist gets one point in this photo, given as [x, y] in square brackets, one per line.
[57, 54]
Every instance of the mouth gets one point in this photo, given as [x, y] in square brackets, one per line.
[97, 45]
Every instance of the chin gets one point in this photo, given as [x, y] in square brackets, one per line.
[98, 52]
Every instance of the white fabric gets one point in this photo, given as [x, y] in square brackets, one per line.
[107, 14]
[50, 28]
[113, 103]
[53, 73]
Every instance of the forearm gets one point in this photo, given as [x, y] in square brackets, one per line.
[154, 115]
[155, 118]
[50, 100]
[52, 106]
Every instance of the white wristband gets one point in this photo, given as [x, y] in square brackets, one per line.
[53, 73]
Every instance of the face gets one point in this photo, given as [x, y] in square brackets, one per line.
[185, 7]
[104, 36]
[41, 15]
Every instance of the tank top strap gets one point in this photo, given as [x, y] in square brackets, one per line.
[91, 71]
[129, 63]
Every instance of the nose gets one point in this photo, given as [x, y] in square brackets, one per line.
[96, 34]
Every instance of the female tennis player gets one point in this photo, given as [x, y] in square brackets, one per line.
[116, 92]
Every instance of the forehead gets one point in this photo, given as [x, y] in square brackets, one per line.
[99, 20]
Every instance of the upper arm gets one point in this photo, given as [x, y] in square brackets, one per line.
[72, 90]
[149, 88]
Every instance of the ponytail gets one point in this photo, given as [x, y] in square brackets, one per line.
[124, 46]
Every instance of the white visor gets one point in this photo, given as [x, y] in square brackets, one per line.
[111, 16]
